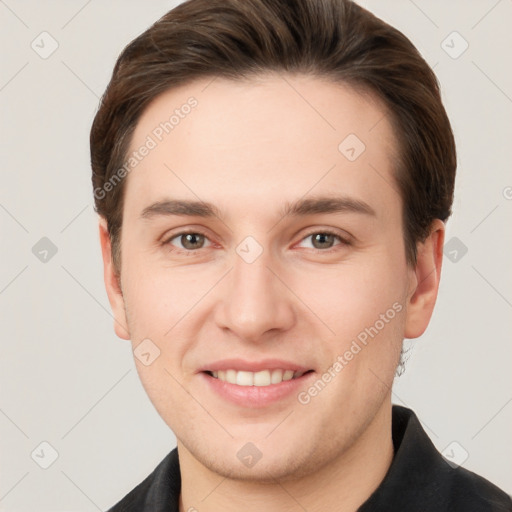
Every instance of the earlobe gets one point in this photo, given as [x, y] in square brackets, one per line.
[112, 283]
[427, 273]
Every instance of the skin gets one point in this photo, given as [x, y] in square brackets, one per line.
[248, 147]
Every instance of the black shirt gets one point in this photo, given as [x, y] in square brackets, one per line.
[418, 480]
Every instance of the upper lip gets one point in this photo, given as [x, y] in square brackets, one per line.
[253, 366]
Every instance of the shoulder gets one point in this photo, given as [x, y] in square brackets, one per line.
[134, 500]
[421, 479]
[459, 489]
[472, 492]
[157, 492]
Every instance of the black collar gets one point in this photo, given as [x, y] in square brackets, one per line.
[418, 480]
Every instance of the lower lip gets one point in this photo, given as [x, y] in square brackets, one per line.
[257, 396]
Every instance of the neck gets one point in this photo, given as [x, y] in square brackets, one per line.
[343, 484]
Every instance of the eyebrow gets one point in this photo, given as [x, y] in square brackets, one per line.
[299, 208]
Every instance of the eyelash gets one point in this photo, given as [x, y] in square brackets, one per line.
[167, 242]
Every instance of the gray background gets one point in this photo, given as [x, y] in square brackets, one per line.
[66, 379]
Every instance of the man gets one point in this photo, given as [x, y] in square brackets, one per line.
[272, 180]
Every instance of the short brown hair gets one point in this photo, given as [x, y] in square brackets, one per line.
[333, 39]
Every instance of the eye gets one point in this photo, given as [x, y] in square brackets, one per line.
[324, 240]
[190, 241]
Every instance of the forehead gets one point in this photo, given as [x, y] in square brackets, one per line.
[269, 137]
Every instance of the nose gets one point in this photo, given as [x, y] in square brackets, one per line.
[255, 303]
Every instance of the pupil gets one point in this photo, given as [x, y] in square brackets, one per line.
[190, 240]
[322, 237]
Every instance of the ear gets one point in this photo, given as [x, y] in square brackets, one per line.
[113, 283]
[425, 281]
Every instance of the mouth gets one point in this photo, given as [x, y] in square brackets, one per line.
[260, 378]
[259, 389]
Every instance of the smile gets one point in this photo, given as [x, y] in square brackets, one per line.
[260, 378]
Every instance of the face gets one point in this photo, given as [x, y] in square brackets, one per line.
[262, 232]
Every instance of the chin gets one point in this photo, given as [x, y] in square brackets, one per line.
[258, 461]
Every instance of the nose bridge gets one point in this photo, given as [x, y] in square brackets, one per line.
[252, 278]
[255, 300]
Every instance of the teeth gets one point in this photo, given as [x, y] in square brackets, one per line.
[242, 378]
[262, 378]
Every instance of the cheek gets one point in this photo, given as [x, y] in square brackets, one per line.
[353, 296]
[157, 309]
[166, 305]
[156, 295]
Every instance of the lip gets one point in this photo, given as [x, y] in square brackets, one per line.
[253, 366]
[257, 396]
